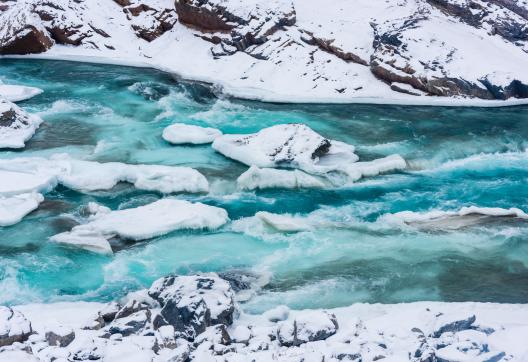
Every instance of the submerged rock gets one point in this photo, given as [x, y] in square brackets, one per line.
[192, 303]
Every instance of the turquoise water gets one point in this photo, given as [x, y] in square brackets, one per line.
[457, 157]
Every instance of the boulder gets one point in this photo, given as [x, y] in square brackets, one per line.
[60, 336]
[308, 326]
[453, 326]
[192, 303]
[130, 325]
[14, 327]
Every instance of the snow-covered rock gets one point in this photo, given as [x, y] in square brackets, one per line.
[192, 303]
[286, 145]
[14, 327]
[264, 178]
[14, 208]
[180, 133]
[16, 125]
[310, 326]
[60, 336]
[17, 93]
[400, 51]
[140, 223]
[422, 331]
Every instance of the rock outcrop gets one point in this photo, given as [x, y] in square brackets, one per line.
[14, 327]
[16, 125]
[147, 21]
[195, 318]
[235, 26]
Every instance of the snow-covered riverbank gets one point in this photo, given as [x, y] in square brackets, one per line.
[197, 318]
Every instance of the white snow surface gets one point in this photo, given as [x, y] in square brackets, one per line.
[180, 133]
[14, 208]
[17, 93]
[21, 130]
[140, 223]
[287, 68]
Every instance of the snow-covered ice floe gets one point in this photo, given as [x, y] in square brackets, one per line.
[454, 220]
[297, 146]
[196, 318]
[140, 223]
[180, 133]
[284, 223]
[286, 145]
[14, 208]
[264, 178]
[18, 93]
[35, 174]
[16, 125]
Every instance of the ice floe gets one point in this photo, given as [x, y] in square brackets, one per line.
[14, 208]
[297, 146]
[144, 222]
[16, 125]
[263, 178]
[180, 133]
[17, 93]
[283, 223]
[21, 175]
[438, 220]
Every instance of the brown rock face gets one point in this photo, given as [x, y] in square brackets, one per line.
[27, 40]
[163, 19]
[210, 19]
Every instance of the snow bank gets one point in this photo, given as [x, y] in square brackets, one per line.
[21, 175]
[201, 309]
[144, 222]
[17, 93]
[13, 209]
[265, 178]
[180, 133]
[16, 125]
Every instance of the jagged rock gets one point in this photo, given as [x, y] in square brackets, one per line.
[111, 310]
[131, 307]
[454, 326]
[310, 326]
[239, 279]
[148, 22]
[14, 327]
[235, 18]
[60, 336]
[130, 325]
[192, 303]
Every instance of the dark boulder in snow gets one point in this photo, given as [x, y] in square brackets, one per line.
[192, 303]
[60, 336]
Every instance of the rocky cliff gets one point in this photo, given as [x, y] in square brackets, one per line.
[305, 50]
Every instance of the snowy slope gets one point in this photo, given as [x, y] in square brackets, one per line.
[398, 51]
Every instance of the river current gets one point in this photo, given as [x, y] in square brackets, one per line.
[456, 157]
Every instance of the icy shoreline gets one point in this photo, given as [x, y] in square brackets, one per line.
[254, 94]
[186, 318]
